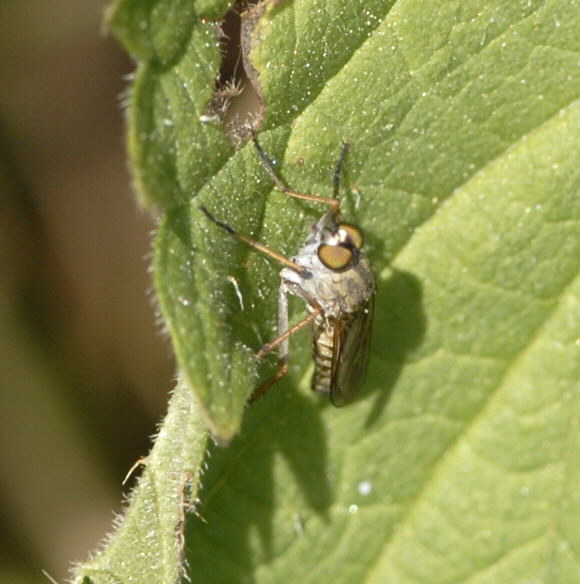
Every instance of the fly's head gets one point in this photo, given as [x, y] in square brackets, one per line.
[340, 246]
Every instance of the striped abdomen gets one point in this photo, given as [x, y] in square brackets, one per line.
[323, 349]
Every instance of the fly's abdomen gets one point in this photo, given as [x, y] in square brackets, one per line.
[323, 349]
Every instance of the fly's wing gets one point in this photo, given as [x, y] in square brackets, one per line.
[350, 354]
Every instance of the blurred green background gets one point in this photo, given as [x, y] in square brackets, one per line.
[84, 369]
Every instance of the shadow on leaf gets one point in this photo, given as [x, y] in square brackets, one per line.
[282, 432]
[399, 328]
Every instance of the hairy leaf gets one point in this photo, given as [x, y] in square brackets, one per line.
[458, 463]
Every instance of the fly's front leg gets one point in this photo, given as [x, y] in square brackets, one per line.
[336, 174]
[253, 243]
[332, 202]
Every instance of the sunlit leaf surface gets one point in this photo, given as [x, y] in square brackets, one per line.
[460, 460]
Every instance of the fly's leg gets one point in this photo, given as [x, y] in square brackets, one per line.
[255, 244]
[283, 346]
[281, 186]
[279, 341]
[282, 342]
[280, 372]
[285, 332]
[336, 174]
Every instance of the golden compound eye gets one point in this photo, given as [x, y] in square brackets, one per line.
[352, 234]
[334, 257]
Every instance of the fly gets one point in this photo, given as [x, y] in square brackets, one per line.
[334, 278]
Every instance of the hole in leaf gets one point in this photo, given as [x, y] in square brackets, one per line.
[236, 104]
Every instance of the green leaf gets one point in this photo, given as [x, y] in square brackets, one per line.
[459, 461]
[160, 30]
[147, 545]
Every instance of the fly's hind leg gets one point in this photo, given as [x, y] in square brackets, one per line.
[282, 342]
[281, 371]
[283, 346]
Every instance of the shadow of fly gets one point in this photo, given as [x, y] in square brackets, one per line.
[334, 278]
